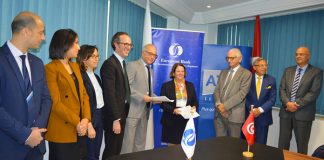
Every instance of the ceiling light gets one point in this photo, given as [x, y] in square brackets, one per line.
[208, 6]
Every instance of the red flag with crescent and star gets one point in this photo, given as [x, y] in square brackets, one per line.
[248, 129]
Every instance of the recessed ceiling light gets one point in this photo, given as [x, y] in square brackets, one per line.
[208, 6]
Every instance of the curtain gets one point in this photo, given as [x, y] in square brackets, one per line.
[86, 17]
[128, 17]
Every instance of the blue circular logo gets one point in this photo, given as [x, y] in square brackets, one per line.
[175, 50]
[189, 137]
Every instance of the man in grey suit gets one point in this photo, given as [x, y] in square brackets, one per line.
[299, 88]
[140, 80]
[232, 87]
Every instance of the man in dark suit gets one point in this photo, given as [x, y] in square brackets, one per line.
[116, 93]
[25, 102]
[232, 87]
[262, 96]
[299, 88]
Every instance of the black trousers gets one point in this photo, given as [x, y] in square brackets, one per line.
[113, 142]
[68, 151]
[302, 130]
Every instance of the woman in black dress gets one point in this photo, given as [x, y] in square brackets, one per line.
[183, 93]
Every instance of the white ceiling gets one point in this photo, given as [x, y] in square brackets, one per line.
[201, 5]
[196, 12]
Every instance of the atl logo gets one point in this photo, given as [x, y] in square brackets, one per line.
[189, 137]
[175, 50]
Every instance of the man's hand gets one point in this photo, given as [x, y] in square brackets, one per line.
[91, 131]
[256, 112]
[147, 98]
[35, 138]
[221, 108]
[116, 127]
[292, 106]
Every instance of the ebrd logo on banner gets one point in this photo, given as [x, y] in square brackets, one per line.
[213, 61]
[175, 46]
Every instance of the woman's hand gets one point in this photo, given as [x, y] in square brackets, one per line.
[91, 131]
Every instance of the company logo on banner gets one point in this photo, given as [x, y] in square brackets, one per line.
[210, 78]
[175, 50]
[175, 46]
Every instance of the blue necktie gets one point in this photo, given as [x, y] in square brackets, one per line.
[28, 87]
[295, 86]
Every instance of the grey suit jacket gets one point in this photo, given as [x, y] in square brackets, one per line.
[307, 93]
[234, 100]
[139, 87]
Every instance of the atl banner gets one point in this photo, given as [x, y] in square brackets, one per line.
[213, 61]
[175, 46]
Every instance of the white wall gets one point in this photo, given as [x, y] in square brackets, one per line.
[316, 138]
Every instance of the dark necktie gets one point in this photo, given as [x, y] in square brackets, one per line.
[295, 86]
[149, 84]
[28, 87]
[228, 81]
[126, 83]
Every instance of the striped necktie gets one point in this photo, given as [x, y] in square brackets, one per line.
[295, 85]
[228, 81]
[28, 87]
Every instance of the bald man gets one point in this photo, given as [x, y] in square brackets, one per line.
[299, 88]
[140, 77]
[25, 102]
[232, 87]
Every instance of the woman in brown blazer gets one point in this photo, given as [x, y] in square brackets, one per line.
[70, 117]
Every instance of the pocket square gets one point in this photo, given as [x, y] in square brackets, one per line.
[268, 87]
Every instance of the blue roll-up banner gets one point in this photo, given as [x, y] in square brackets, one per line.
[175, 46]
[213, 61]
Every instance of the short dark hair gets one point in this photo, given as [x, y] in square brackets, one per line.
[116, 38]
[22, 20]
[61, 42]
[174, 67]
[85, 53]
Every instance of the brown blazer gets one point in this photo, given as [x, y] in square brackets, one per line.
[65, 114]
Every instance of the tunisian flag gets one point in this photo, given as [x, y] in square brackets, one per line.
[248, 129]
[257, 40]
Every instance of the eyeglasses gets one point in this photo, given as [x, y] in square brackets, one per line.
[95, 56]
[151, 54]
[230, 58]
[126, 44]
[261, 65]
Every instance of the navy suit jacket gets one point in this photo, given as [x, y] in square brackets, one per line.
[92, 96]
[114, 91]
[16, 118]
[266, 100]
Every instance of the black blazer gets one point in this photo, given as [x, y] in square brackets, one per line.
[114, 90]
[92, 95]
[168, 90]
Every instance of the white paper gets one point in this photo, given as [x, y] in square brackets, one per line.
[186, 114]
[161, 99]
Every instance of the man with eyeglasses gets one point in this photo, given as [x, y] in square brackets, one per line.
[140, 77]
[299, 88]
[116, 93]
[232, 87]
[261, 98]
